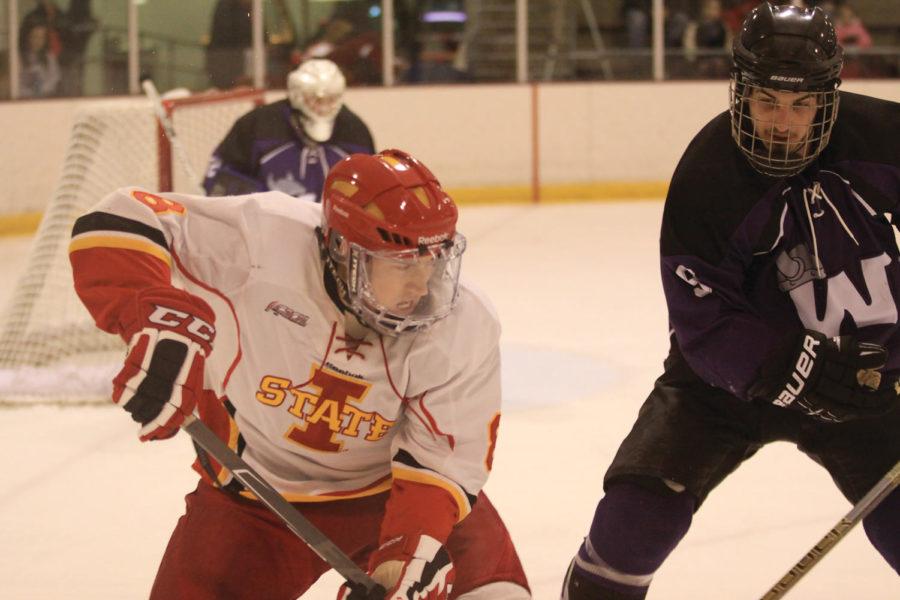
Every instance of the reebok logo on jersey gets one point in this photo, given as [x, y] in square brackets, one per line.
[282, 310]
[802, 369]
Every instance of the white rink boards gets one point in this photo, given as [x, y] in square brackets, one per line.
[86, 510]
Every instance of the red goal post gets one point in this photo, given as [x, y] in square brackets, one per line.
[228, 103]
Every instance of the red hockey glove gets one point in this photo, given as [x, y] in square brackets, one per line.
[410, 568]
[163, 373]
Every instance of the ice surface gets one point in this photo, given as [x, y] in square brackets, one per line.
[86, 510]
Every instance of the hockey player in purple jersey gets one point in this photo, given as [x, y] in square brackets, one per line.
[290, 145]
[781, 275]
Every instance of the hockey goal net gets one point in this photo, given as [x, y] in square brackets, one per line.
[50, 350]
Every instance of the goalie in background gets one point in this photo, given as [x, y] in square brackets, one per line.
[781, 276]
[291, 144]
[333, 347]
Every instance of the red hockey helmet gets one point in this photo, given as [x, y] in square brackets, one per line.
[391, 229]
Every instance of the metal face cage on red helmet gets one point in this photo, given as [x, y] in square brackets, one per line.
[390, 241]
[784, 98]
[418, 287]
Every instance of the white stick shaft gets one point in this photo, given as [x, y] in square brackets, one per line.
[869, 502]
[167, 125]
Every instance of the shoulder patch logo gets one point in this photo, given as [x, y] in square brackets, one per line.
[688, 275]
[282, 310]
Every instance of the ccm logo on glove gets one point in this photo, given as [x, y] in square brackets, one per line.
[176, 319]
[162, 378]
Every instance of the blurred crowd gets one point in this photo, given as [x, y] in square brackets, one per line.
[52, 43]
[434, 41]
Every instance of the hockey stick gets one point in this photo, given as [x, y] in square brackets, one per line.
[296, 522]
[169, 128]
[869, 502]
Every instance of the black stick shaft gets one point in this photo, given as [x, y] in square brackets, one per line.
[269, 496]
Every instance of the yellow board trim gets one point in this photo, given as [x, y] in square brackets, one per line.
[20, 224]
[85, 242]
[598, 191]
[424, 478]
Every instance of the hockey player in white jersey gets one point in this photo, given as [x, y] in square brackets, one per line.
[331, 346]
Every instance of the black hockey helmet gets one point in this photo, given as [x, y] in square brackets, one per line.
[787, 49]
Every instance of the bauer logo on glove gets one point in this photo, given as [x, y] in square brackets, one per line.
[830, 379]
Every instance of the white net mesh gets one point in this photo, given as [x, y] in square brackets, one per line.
[50, 350]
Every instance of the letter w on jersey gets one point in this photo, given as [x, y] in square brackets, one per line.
[163, 373]
[843, 296]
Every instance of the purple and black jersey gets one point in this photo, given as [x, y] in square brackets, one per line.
[266, 149]
[749, 261]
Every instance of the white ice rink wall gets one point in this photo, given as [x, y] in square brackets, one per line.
[487, 142]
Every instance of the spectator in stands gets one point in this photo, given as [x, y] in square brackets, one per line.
[636, 14]
[734, 11]
[707, 35]
[47, 14]
[75, 32]
[39, 75]
[849, 28]
[351, 38]
[230, 38]
[67, 36]
[852, 34]
[675, 25]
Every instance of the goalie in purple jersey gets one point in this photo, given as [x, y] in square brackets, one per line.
[291, 144]
[782, 279]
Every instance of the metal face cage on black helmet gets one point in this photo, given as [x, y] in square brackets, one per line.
[780, 133]
[784, 98]
[398, 291]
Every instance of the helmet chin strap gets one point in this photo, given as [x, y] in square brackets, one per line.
[354, 327]
[338, 292]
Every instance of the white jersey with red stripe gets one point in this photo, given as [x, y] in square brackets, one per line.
[321, 414]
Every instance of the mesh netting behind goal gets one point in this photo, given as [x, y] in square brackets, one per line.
[50, 350]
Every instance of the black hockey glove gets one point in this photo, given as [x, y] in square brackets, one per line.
[358, 592]
[830, 379]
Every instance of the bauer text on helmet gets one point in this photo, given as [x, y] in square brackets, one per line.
[784, 97]
[316, 90]
[390, 234]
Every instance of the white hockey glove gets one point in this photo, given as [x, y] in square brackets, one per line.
[162, 378]
[410, 568]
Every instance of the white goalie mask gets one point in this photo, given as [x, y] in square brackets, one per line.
[316, 91]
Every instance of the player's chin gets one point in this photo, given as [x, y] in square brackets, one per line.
[405, 308]
[783, 149]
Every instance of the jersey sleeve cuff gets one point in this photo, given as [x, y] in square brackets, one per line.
[416, 508]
